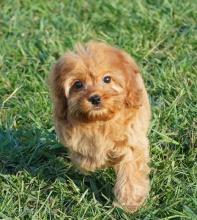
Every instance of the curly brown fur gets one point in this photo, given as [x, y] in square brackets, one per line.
[112, 132]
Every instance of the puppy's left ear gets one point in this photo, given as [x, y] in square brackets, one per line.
[134, 84]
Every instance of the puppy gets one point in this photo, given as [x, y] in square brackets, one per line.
[102, 114]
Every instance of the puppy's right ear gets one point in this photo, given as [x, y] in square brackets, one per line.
[54, 78]
[56, 83]
[59, 74]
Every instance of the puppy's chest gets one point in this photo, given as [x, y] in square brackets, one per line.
[100, 140]
[89, 142]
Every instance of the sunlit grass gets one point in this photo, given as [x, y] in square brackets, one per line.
[37, 180]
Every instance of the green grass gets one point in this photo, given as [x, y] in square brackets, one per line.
[37, 180]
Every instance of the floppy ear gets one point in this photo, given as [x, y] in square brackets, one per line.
[134, 84]
[55, 81]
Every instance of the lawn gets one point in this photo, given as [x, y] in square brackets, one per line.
[37, 180]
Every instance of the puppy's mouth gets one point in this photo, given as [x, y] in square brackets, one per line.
[95, 113]
[90, 110]
[97, 108]
[98, 113]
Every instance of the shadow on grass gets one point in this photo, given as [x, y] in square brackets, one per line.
[38, 153]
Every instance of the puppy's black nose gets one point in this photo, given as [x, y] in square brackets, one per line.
[95, 99]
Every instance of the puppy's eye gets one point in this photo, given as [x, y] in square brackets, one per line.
[78, 84]
[107, 79]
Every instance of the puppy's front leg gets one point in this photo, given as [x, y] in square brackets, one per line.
[132, 184]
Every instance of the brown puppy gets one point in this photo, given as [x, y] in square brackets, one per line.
[102, 114]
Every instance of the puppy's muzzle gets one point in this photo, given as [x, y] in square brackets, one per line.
[95, 100]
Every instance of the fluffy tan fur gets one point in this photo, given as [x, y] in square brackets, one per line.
[113, 134]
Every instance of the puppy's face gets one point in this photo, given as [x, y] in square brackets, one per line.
[94, 93]
[94, 82]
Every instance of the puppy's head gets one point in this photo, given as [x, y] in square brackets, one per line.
[94, 82]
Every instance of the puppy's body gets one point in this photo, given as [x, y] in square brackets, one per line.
[102, 143]
[112, 132]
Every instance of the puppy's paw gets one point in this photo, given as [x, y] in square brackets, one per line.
[130, 197]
